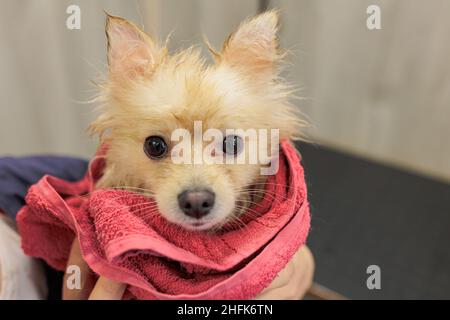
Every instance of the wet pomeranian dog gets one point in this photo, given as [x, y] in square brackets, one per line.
[149, 94]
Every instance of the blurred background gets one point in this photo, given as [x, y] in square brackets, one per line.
[378, 102]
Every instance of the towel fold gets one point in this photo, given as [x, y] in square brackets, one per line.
[122, 239]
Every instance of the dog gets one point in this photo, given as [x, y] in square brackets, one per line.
[149, 94]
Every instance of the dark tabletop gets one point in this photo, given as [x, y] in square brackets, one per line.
[364, 213]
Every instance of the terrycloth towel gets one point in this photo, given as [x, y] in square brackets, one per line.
[122, 239]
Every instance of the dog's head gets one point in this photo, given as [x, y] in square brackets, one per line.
[159, 108]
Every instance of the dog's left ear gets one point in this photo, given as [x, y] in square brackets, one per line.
[131, 52]
[253, 48]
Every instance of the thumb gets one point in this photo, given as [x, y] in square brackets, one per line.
[106, 289]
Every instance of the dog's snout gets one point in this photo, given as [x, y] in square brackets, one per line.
[196, 204]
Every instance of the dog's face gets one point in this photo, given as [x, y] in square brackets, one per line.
[150, 95]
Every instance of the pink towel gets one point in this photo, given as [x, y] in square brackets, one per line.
[119, 239]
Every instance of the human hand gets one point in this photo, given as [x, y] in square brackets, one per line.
[294, 280]
[291, 283]
[102, 289]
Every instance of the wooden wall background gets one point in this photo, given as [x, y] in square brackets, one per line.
[382, 94]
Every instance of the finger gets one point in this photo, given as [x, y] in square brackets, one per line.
[303, 264]
[294, 281]
[302, 281]
[78, 279]
[282, 279]
[278, 289]
[106, 289]
[306, 261]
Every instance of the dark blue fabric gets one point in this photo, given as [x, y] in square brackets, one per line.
[18, 174]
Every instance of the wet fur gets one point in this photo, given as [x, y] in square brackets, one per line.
[150, 92]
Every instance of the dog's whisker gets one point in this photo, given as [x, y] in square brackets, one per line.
[131, 188]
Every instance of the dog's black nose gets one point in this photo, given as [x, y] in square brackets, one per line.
[196, 204]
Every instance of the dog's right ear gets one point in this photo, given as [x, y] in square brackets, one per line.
[131, 52]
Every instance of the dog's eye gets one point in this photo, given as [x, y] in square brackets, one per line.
[232, 145]
[155, 147]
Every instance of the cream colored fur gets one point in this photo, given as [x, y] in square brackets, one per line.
[149, 92]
